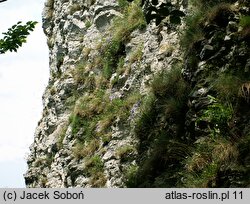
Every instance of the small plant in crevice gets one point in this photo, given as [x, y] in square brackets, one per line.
[146, 119]
[136, 56]
[130, 175]
[169, 84]
[120, 69]
[113, 52]
[85, 149]
[86, 75]
[94, 164]
[44, 161]
[94, 167]
[125, 152]
[124, 70]
[88, 24]
[79, 72]
[98, 180]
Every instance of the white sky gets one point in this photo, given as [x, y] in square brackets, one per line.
[23, 78]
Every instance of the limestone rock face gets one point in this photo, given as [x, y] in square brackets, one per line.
[78, 33]
[139, 97]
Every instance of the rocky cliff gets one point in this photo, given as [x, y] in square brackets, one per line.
[151, 93]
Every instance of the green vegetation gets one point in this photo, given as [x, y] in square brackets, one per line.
[219, 14]
[121, 28]
[245, 24]
[125, 152]
[130, 175]
[216, 13]
[123, 4]
[83, 149]
[215, 160]
[204, 4]
[191, 132]
[210, 156]
[44, 161]
[94, 164]
[94, 168]
[218, 117]
[16, 36]
[200, 145]
[161, 147]
[131, 20]
[88, 24]
[87, 107]
[193, 32]
[136, 56]
[90, 81]
[95, 113]
[227, 87]
[245, 21]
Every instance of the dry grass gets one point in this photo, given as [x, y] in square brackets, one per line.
[74, 8]
[225, 152]
[227, 86]
[98, 180]
[133, 18]
[104, 124]
[78, 73]
[83, 150]
[125, 151]
[219, 14]
[136, 56]
[245, 91]
[197, 162]
[88, 106]
[209, 157]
